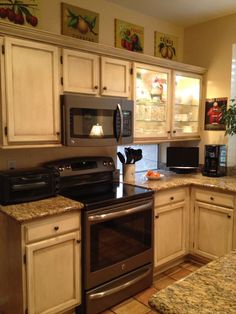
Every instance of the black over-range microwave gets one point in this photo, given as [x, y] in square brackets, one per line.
[96, 121]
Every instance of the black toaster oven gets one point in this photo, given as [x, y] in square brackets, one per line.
[25, 185]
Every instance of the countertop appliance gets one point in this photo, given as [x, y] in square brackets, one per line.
[215, 161]
[117, 231]
[25, 185]
[96, 121]
[182, 159]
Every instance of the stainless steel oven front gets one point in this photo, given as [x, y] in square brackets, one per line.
[118, 251]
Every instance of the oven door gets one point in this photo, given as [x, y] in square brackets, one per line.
[118, 240]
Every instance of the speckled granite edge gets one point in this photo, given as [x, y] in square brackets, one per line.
[209, 290]
[47, 207]
[172, 180]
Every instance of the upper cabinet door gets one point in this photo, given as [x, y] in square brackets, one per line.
[32, 92]
[80, 72]
[186, 98]
[152, 98]
[115, 77]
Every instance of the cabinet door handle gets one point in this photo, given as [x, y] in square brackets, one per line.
[174, 131]
[229, 216]
[95, 87]
[157, 216]
[56, 228]
[58, 133]
[172, 198]
[104, 88]
[78, 241]
[168, 132]
[212, 198]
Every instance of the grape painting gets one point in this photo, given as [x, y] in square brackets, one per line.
[19, 12]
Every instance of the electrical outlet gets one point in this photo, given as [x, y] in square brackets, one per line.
[11, 164]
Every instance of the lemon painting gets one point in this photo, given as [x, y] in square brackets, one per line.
[79, 23]
[166, 46]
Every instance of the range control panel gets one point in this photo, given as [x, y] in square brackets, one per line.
[82, 165]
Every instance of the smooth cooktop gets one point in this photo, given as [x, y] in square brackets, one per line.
[104, 194]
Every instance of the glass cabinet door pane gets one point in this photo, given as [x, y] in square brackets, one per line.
[186, 105]
[152, 91]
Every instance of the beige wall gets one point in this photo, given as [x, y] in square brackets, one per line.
[210, 45]
[50, 20]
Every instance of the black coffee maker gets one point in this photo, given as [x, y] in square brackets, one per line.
[215, 161]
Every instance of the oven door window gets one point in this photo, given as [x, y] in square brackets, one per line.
[91, 123]
[118, 239]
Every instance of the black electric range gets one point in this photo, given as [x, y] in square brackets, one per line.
[91, 180]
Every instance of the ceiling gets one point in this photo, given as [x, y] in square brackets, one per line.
[181, 12]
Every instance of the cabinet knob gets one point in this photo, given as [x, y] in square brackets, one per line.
[168, 132]
[78, 241]
[104, 88]
[157, 216]
[95, 87]
[229, 216]
[56, 228]
[58, 133]
[172, 198]
[174, 131]
[212, 198]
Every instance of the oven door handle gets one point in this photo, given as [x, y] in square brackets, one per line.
[121, 213]
[108, 292]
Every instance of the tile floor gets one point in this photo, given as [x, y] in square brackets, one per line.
[139, 303]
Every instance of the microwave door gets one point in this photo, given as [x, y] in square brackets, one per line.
[118, 124]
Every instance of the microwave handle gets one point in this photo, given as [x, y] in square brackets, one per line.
[119, 134]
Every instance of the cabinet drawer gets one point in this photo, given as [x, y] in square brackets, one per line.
[51, 227]
[170, 196]
[216, 198]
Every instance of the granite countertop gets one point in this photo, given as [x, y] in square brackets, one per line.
[173, 180]
[210, 289]
[25, 212]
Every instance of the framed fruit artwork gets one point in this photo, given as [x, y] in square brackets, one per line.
[79, 23]
[19, 12]
[129, 36]
[166, 46]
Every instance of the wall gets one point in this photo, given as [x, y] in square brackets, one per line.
[210, 45]
[49, 17]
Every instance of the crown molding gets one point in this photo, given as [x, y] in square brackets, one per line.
[24, 32]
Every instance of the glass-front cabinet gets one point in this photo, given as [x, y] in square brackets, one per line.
[152, 97]
[166, 104]
[186, 104]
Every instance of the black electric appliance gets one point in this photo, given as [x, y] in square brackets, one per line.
[25, 185]
[182, 159]
[215, 161]
[96, 121]
[117, 231]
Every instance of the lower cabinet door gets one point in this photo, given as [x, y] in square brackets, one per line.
[213, 227]
[170, 233]
[53, 274]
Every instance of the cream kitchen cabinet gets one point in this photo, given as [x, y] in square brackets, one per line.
[167, 104]
[90, 74]
[30, 93]
[212, 223]
[171, 225]
[186, 104]
[44, 270]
